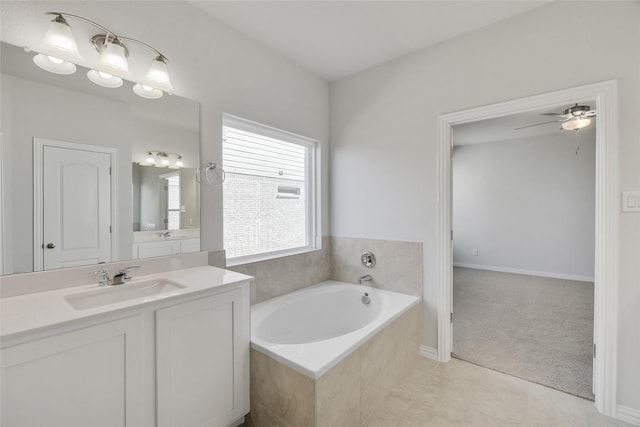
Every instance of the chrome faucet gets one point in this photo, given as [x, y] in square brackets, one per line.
[105, 280]
[123, 275]
[165, 234]
[365, 278]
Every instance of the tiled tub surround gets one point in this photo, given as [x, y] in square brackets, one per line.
[279, 276]
[398, 267]
[348, 392]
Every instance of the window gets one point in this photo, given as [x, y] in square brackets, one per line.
[172, 195]
[269, 191]
[173, 202]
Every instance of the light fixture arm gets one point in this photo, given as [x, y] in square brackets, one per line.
[109, 32]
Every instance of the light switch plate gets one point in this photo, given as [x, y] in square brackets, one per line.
[631, 201]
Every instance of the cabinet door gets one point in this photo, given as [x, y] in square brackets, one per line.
[201, 353]
[76, 378]
[150, 250]
[189, 245]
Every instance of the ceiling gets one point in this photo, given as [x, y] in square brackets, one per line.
[503, 128]
[335, 39]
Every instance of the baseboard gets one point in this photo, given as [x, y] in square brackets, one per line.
[525, 272]
[628, 415]
[428, 352]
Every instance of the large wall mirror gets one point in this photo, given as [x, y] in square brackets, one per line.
[91, 175]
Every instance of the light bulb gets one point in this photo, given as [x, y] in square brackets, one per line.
[149, 92]
[158, 75]
[58, 41]
[53, 64]
[113, 60]
[104, 79]
[55, 60]
[576, 124]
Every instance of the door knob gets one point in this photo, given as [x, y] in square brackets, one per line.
[50, 245]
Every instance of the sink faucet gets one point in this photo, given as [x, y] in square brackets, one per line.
[105, 280]
[123, 275]
[365, 278]
[165, 234]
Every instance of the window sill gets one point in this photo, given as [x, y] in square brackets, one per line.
[249, 259]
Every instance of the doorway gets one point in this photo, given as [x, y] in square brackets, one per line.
[605, 280]
[73, 205]
[523, 215]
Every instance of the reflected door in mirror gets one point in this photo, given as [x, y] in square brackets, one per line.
[76, 206]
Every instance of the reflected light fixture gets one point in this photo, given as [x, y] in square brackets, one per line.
[576, 124]
[163, 159]
[58, 53]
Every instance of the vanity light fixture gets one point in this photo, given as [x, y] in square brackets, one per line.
[576, 124]
[59, 54]
[162, 159]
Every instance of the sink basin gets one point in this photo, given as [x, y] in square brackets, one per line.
[120, 293]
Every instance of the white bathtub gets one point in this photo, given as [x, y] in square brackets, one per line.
[313, 329]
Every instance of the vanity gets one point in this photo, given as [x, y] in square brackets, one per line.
[92, 178]
[167, 349]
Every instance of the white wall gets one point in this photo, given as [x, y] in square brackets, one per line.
[526, 205]
[383, 143]
[208, 62]
[63, 115]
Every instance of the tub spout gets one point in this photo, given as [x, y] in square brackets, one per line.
[365, 278]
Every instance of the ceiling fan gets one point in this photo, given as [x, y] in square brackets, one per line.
[573, 118]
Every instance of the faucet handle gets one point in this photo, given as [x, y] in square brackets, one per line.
[127, 273]
[105, 280]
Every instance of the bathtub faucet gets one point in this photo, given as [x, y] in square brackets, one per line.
[365, 278]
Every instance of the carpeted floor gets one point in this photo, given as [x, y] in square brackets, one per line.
[535, 328]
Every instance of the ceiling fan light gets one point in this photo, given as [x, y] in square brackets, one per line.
[104, 79]
[576, 124]
[58, 41]
[114, 61]
[53, 64]
[158, 75]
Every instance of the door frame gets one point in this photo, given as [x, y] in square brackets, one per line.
[38, 188]
[606, 227]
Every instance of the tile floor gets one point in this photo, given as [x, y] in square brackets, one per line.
[462, 394]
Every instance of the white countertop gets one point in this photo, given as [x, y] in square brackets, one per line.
[43, 310]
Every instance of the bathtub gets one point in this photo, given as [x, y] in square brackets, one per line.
[313, 329]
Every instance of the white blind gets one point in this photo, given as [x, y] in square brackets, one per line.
[252, 154]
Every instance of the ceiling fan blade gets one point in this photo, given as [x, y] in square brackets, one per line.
[538, 124]
[551, 114]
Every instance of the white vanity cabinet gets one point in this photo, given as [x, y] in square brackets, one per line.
[91, 376]
[179, 361]
[154, 249]
[205, 385]
[165, 248]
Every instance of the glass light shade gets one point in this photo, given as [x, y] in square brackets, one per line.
[104, 79]
[179, 163]
[53, 64]
[59, 42]
[147, 91]
[158, 76]
[576, 124]
[113, 61]
[150, 158]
